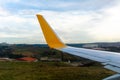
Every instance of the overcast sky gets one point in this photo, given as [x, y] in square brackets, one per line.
[75, 21]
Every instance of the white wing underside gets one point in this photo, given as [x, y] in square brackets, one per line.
[110, 60]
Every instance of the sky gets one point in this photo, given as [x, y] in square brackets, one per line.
[74, 21]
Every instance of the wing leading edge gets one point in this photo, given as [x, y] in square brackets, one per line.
[110, 60]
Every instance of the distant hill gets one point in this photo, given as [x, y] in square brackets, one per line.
[100, 44]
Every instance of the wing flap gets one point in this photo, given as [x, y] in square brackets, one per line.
[113, 68]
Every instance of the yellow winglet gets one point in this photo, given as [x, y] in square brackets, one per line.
[50, 36]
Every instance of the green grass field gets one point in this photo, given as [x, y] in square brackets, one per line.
[50, 71]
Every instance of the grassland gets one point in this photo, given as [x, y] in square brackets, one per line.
[50, 71]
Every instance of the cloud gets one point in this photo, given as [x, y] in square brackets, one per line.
[15, 6]
[26, 27]
[87, 26]
[3, 12]
[107, 29]
[70, 21]
[18, 28]
[72, 26]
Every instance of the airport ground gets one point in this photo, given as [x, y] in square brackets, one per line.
[50, 71]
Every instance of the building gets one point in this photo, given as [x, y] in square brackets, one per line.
[90, 46]
[6, 59]
[27, 59]
[50, 59]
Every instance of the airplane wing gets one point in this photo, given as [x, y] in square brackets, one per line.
[110, 60]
